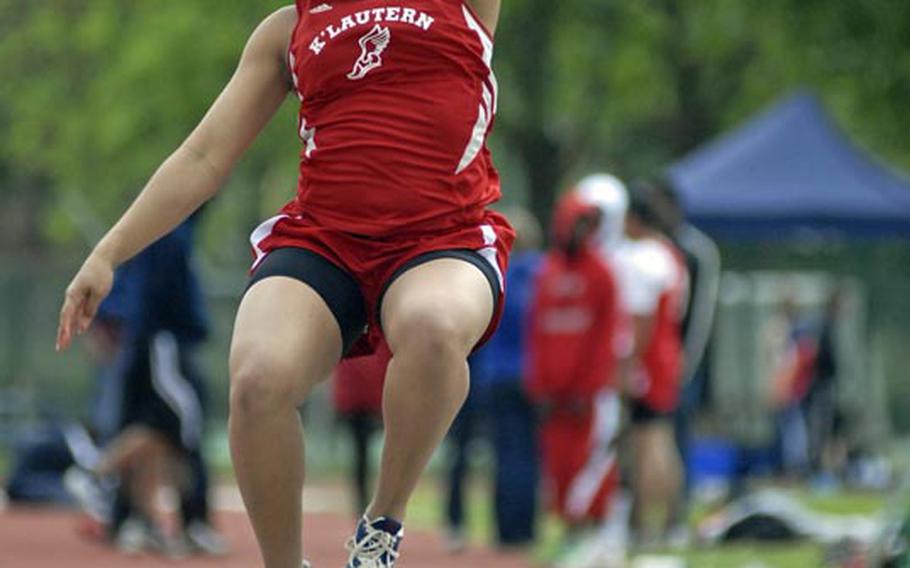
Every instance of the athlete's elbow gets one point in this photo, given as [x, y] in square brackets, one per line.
[203, 167]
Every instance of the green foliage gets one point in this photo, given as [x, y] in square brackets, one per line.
[97, 92]
[105, 89]
[629, 86]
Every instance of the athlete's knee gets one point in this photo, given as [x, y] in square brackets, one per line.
[262, 384]
[434, 333]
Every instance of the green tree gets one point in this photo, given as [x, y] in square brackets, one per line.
[105, 89]
[629, 86]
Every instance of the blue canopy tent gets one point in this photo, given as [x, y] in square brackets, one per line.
[791, 170]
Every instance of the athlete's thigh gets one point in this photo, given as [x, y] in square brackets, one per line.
[446, 293]
[285, 330]
[653, 441]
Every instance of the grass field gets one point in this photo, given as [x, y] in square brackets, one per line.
[427, 508]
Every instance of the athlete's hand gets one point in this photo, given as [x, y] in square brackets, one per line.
[83, 296]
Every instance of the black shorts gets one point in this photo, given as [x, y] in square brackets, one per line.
[640, 413]
[161, 390]
[341, 292]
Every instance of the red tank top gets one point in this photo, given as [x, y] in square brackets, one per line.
[397, 100]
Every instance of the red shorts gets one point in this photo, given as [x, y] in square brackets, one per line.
[374, 262]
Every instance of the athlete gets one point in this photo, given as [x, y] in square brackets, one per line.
[388, 236]
[573, 324]
[654, 285]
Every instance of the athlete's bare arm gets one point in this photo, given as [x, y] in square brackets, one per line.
[488, 10]
[193, 173]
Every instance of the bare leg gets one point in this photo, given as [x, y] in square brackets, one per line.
[149, 474]
[125, 449]
[672, 471]
[285, 342]
[657, 478]
[642, 481]
[142, 458]
[433, 316]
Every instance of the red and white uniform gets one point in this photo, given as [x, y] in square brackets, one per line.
[397, 98]
[653, 282]
[396, 101]
[573, 320]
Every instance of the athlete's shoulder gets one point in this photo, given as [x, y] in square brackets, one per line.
[283, 17]
[274, 32]
[267, 47]
[487, 11]
[281, 22]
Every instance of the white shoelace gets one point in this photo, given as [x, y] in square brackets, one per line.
[369, 551]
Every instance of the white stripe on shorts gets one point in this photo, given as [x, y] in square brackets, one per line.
[261, 233]
[490, 253]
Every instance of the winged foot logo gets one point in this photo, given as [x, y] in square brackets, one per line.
[371, 47]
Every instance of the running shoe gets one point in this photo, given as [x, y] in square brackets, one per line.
[375, 544]
[678, 537]
[202, 538]
[138, 535]
[455, 542]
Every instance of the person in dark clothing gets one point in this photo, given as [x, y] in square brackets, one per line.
[826, 452]
[151, 408]
[703, 263]
[511, 415]
[469, 426]
[499, 406]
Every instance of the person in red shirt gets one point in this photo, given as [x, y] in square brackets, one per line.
[791, 383]
[572, 328]
[388, 237]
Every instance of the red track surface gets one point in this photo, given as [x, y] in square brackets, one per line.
[45, 538]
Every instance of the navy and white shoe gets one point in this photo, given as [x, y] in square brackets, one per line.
[375, 544]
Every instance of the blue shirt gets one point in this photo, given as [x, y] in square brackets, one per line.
[502, 360]
[158, 290]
